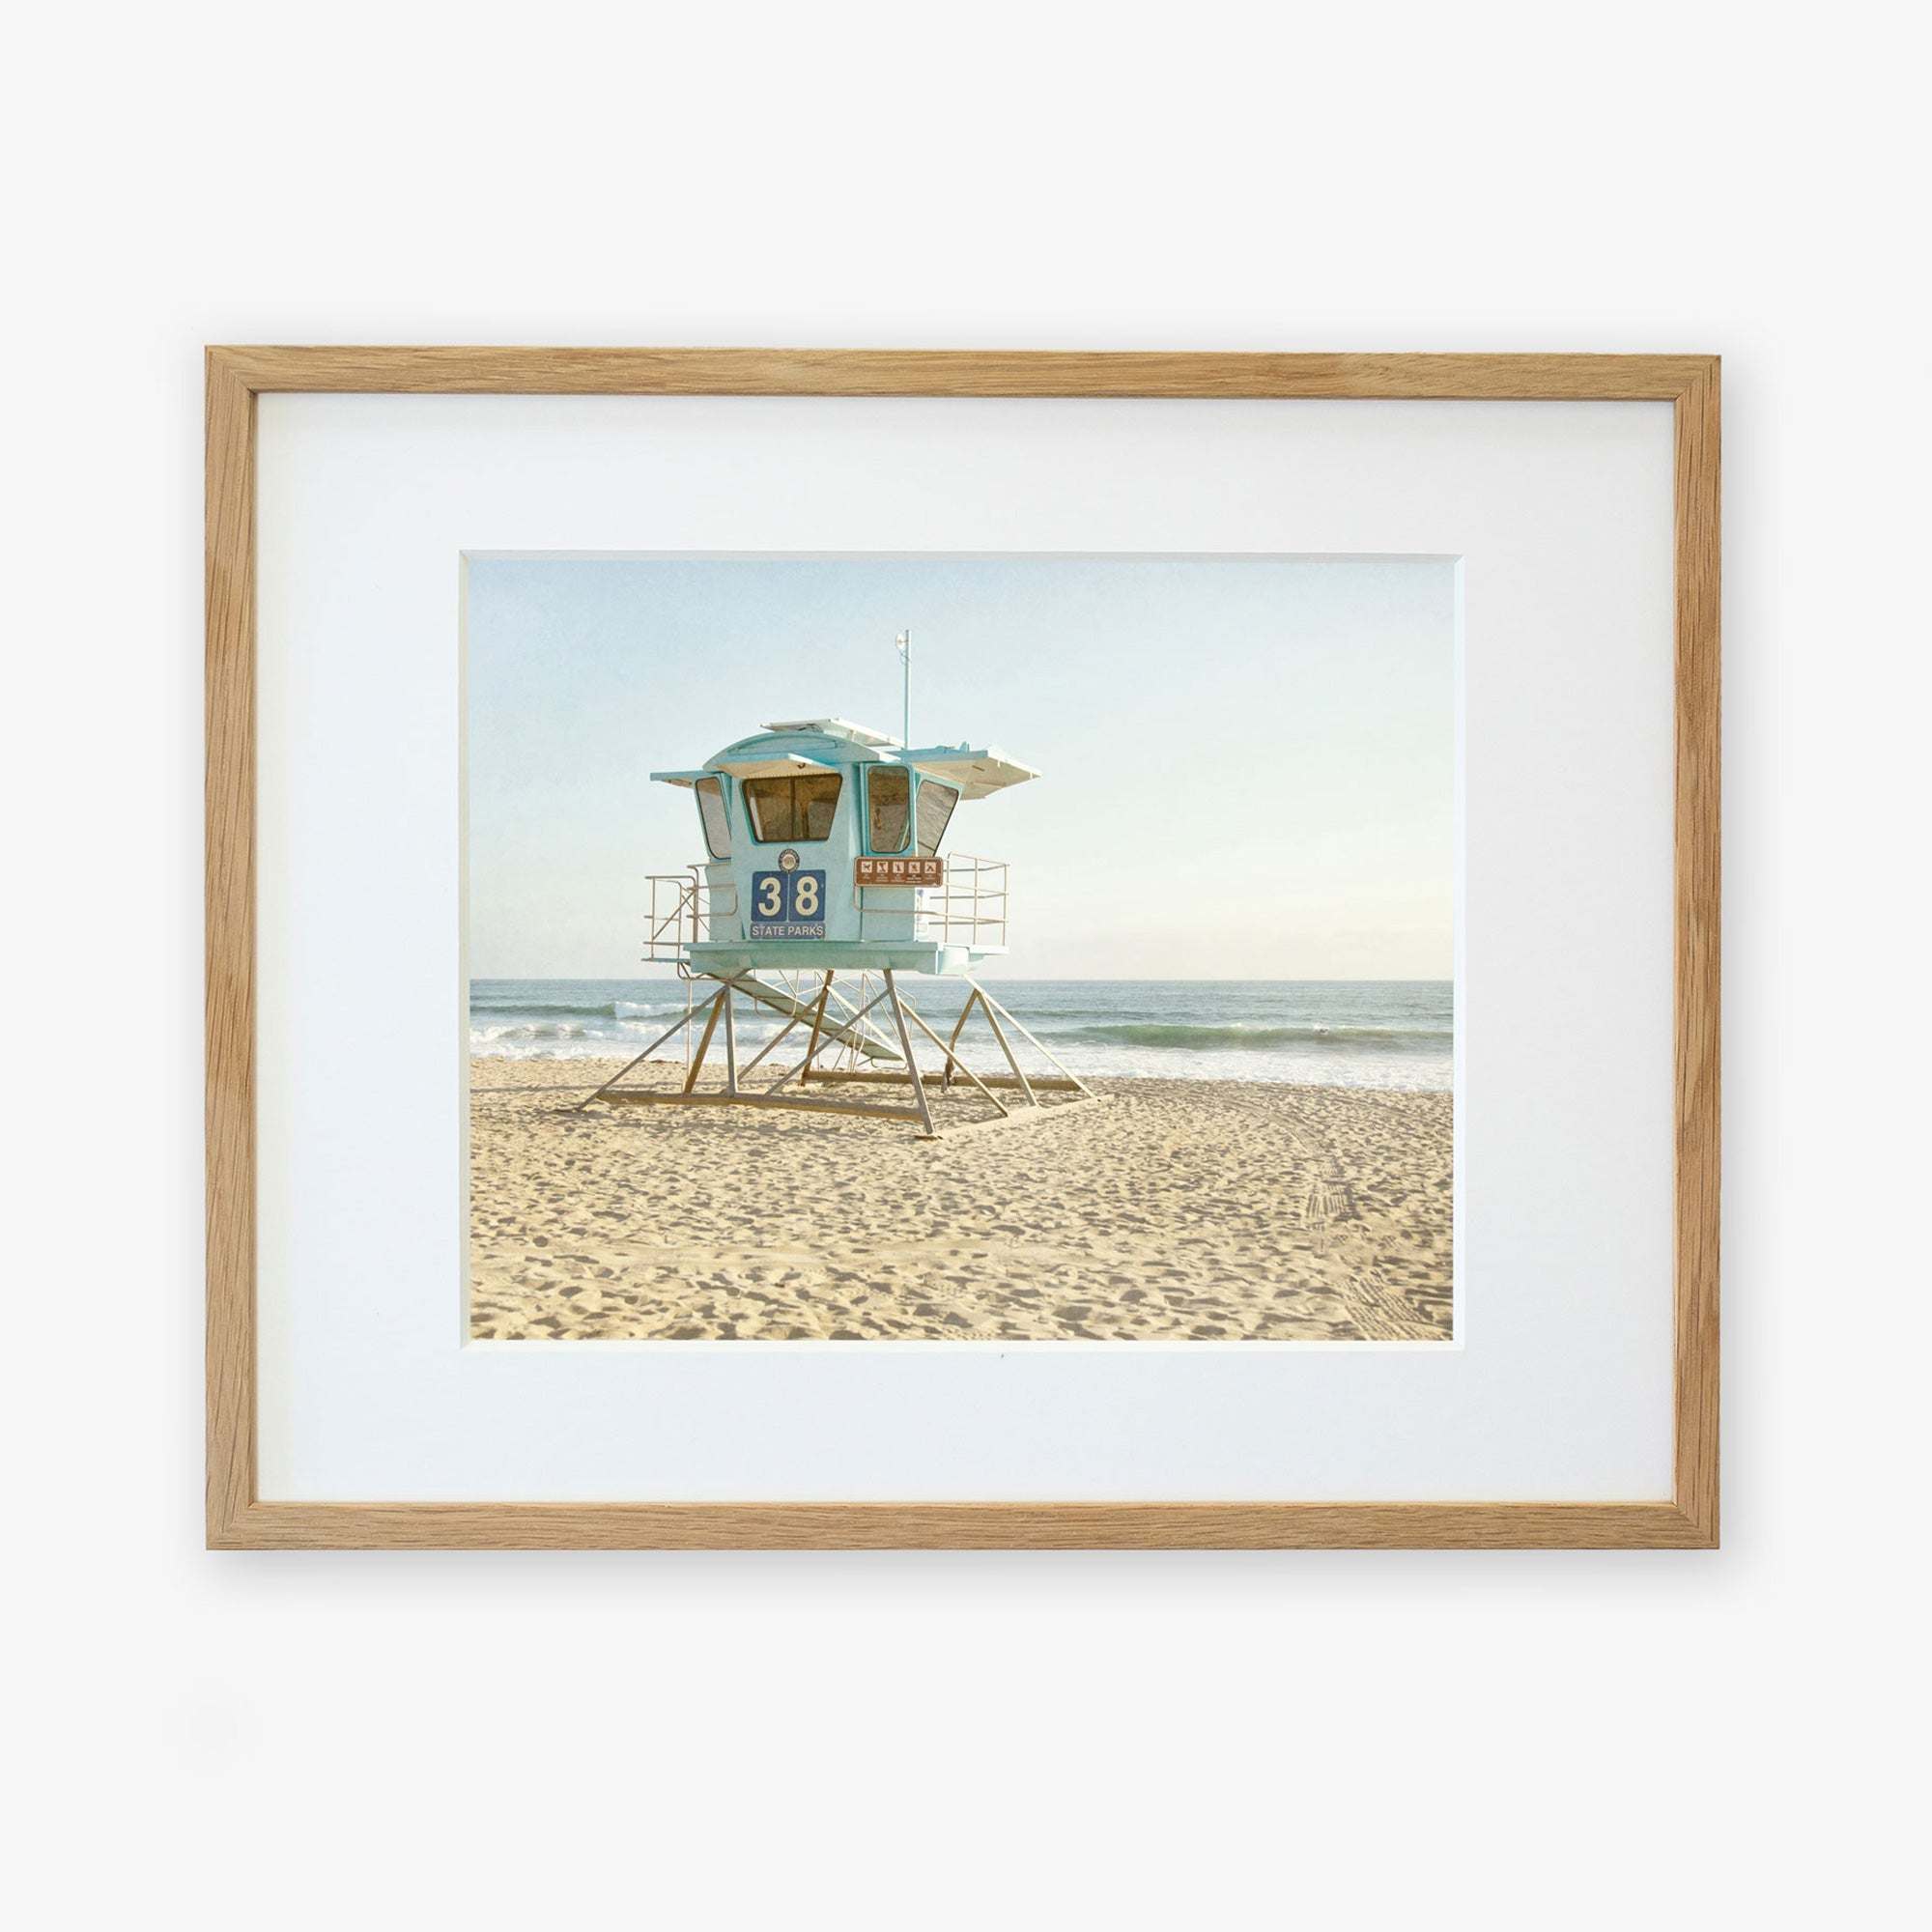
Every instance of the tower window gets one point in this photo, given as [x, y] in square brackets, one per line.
[935, 808]
[711, 811]
[888, 807]
[793, 810]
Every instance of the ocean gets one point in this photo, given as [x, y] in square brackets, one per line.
[1327, 1033]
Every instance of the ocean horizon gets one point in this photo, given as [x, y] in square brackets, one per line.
[1396, 1033]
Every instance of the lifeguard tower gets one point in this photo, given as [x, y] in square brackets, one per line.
[826, 879]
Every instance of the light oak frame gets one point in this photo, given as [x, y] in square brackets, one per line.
[236, 1517]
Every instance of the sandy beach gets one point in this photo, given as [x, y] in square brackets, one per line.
[1179, 1209]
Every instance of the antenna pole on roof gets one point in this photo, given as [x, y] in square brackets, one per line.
[904, 642]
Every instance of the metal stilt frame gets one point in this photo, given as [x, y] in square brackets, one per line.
[855, 1039]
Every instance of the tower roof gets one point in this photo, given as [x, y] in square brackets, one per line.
[831, 728]
[976, 771]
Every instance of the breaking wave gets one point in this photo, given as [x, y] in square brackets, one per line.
[1327, 1033]
[1182, 1038]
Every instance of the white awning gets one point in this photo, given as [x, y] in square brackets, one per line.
[685, 779]
[976, 772]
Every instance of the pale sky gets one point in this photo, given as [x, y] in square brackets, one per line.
[1247, 762]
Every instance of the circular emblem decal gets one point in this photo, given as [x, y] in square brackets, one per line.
[787, 861]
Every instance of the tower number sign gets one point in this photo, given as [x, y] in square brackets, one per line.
[788, 905]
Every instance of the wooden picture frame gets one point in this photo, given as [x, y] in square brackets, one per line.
[238, 1518]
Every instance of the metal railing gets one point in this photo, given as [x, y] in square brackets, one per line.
[682, 906]
[970, 908]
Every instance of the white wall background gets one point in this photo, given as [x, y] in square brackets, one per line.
[1522, 1740]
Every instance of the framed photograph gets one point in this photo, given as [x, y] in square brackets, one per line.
[868, 949]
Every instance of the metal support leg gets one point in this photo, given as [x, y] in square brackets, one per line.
[771, 1043]
[958, 1029]
[797, 1072]
[684, 1021]
[855, 1011]
[999, 1034]
[994, 1006]
[817, 1021]
[952, 1059]
[704, 1039]
[912, 1065]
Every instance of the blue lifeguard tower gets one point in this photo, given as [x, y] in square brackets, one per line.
[826, 860]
